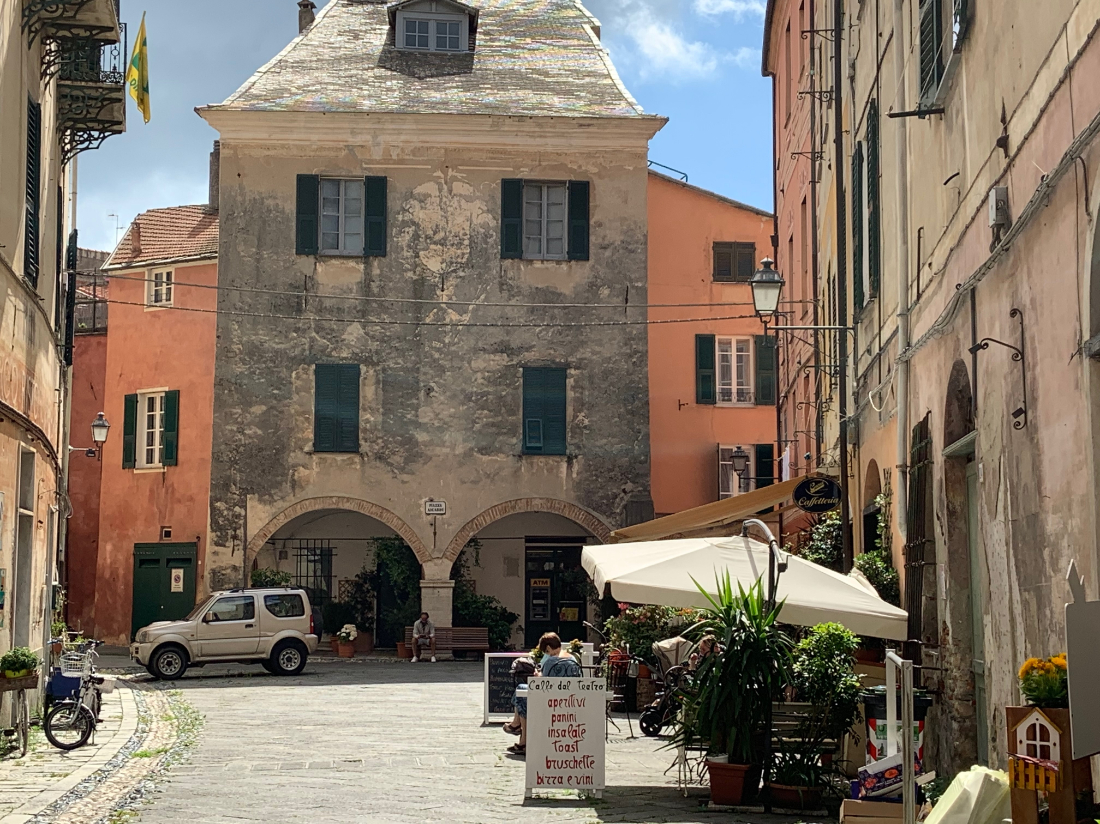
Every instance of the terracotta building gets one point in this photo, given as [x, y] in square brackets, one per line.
[968, 161]
[141, 511]
[712, 383]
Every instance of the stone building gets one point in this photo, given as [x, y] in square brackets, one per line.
[432, 304]
[61, 92]
[969, 163]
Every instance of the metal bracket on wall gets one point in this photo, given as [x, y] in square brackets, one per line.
[823, 96]
[814, 156]
[1020, 414]
[827, 34]
[830, 369]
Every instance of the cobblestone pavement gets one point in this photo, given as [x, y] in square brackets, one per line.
[389, 743]
[31, 784]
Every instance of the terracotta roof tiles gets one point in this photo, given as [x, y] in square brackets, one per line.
[161, 235]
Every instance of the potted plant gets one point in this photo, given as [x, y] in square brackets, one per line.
[361, 600]
[334, 616]
[345, 641]
[18, 662]
[728, 704]
[823, 677]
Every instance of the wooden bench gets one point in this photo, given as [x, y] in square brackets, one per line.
[457, 639]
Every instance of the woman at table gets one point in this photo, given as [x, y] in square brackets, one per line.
[552, 665]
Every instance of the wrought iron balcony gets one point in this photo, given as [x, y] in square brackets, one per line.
[91, 92]
[72, 19]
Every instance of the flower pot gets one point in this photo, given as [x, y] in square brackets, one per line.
[345, 649]
[796, 798]
[732, 785]
[19, 673]
[404, 650]
[364, 643]
[57, 647]
[643, 672]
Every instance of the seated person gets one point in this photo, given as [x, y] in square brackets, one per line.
[423, 636]
[522, 669]
[552, 665]
[708, 646]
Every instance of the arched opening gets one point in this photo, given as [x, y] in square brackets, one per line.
[963, 567]
[325, 544]
[527, 555]
[872, 488]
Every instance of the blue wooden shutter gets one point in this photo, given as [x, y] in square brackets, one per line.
[511, 219]
[374, 235]
[347, 405]
[766, 370]
[171, 427]
[874, 206]
[544, 411]
[706, 390]
[33, 190]
[308, 215]
[579, 191]
[129, 433]
[857, 228]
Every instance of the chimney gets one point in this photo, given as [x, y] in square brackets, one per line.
[135, 239]
[306, 14]
[215, 178]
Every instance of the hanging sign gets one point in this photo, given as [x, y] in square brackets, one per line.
[817, 495]
[565, 734]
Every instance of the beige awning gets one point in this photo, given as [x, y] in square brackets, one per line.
[709, 516]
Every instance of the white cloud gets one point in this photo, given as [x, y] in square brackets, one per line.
[712, 8]
[665, 51]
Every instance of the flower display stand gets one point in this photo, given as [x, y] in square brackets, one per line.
[1041, 760]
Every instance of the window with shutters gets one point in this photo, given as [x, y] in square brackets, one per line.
[874, 206]
[341, 217]
[544, 213]
[158, 288]
[423, 31]
[735, 370]
[544, 410]
[150, 430]
[858, 238]
[734, 262]
[729, 483]
[336, 407]
[767, 371]
[33, 193]
[932, 61]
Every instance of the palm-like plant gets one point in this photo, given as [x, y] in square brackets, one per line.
[728, 703]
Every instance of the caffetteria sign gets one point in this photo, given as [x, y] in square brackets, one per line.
[817, 495]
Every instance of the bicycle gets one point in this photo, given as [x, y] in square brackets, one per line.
[70, 723]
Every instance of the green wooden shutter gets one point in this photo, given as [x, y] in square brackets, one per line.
[765, 464]
[766, 370]
[347, 408]
[579, 191]
[326, 392]
[746, 262]
[374, 235]
[874, 205]
[129, 433]
[307, 223]
[511, 219]
[33, 190]
[706, 390]
[931, 45]
[857, 228]
[171, 427]
[544, 411]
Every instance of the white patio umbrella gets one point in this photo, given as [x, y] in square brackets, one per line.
[661, 572]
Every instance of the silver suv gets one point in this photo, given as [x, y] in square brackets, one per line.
[271, 627]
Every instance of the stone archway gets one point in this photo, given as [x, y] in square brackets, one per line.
[599, 530]
[367, 508]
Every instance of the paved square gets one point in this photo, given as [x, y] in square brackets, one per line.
[385, 742]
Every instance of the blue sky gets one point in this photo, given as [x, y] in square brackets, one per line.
[694, 61]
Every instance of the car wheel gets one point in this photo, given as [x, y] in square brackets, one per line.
[168, 663]
[288, 658]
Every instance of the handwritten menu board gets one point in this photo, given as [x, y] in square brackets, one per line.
[499, 685]
[565, 734]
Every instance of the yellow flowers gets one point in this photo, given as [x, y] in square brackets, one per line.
[1043, 681]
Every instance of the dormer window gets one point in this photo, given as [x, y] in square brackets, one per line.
[432, 25]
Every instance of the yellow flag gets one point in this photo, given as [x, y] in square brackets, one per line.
[137, 76]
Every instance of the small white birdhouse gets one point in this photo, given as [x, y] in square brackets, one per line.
[1038, 737]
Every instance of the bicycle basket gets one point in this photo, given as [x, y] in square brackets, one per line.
[75, 664]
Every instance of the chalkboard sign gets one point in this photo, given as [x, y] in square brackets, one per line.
[499, 686]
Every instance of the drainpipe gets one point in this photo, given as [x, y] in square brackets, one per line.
[902, 376]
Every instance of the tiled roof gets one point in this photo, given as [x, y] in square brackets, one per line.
[532, 57]
[176, 233]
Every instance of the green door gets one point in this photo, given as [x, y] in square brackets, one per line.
[164, 583]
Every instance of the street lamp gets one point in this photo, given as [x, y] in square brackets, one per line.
[740, 460]
[100, 429]
[767, 286]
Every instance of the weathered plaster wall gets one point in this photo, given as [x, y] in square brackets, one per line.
[144, 354]
[440, 406]
[85, 475]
